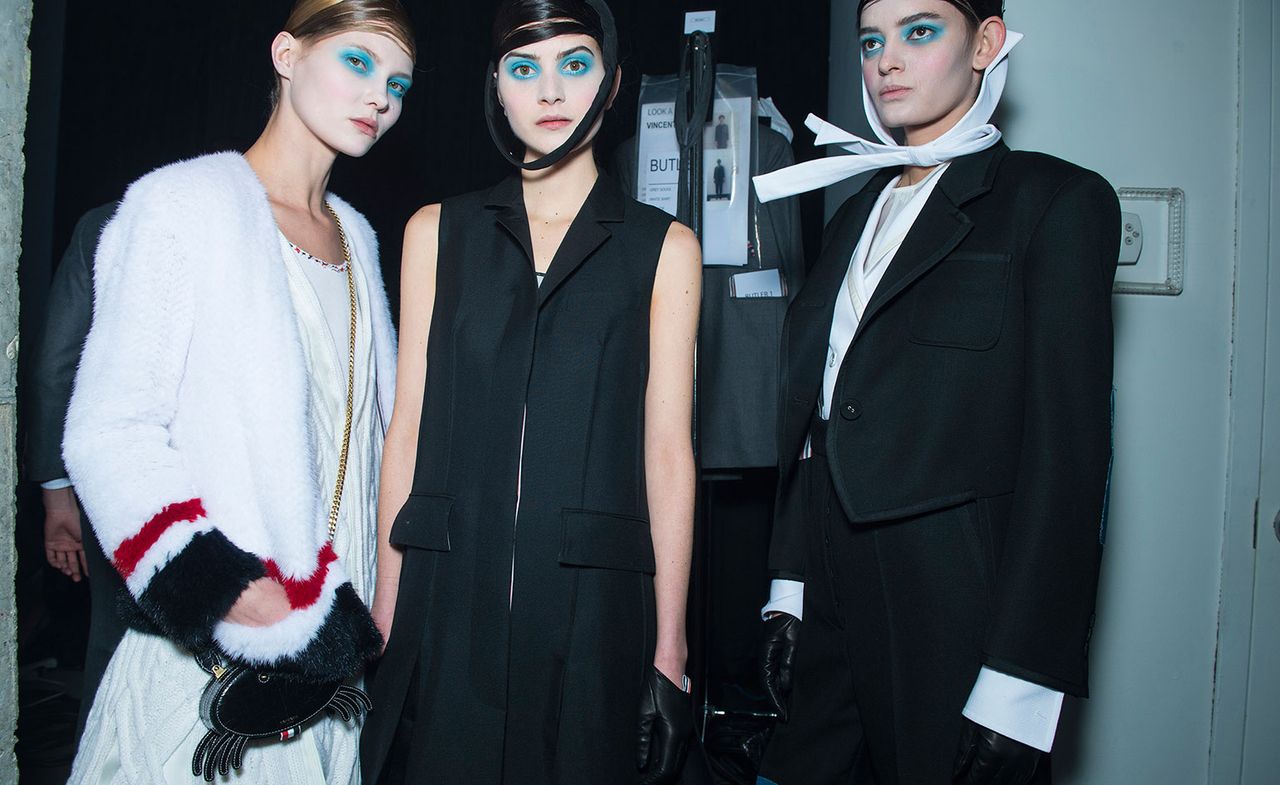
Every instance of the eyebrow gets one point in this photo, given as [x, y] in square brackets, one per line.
[367, 51]
[561, 56]
[378, 61]
[906, 20]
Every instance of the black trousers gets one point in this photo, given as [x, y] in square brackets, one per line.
[106, 626]
[889, 648]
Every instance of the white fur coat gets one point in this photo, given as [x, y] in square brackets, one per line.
[187, 434]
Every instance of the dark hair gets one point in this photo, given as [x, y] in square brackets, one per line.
[975, 10]
[522, 22]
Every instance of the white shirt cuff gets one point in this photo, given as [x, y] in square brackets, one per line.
[56, 485]
[785, 597]
[1015, 708]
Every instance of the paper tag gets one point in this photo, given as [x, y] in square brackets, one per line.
[757, 283]
[658, 175]
[699, 20]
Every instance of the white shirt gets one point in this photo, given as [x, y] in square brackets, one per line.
[894, 214]
[1010, 706]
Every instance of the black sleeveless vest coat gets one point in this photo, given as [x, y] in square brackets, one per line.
[521, 641]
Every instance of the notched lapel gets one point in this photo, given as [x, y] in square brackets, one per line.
[939, 229]
[513, 220]
[941, 225]
[605, 204]
[808, 324]
[809, 321]
[585, 235]
[506, 199]
[824, 281]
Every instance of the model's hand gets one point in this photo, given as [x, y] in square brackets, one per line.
[261, 604]
[63, 543]
[989, 758]
[778, 658]
[666, 721]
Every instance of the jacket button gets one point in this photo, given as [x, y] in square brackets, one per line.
[851, 410]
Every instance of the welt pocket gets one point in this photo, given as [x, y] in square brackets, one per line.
[960, 303]
[423, 522]
[606, 540]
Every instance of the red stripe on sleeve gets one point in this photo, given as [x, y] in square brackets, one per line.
[131, 551]
[304, 593]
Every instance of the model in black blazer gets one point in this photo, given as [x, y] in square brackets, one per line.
[981, 369]
[976, 393]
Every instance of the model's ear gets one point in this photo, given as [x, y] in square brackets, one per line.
[617, 85]
[498, 92]
[990, 40]
[284, 54]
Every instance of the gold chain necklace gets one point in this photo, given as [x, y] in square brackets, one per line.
[351, 375]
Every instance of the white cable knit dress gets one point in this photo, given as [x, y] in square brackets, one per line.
[144, 725]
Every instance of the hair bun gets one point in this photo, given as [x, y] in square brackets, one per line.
[316, 19]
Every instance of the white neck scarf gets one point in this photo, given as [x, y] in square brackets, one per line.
[974, 133]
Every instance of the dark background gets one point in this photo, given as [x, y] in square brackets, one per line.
[119, 89]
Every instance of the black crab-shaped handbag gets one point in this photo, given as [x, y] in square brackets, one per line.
[242, 703]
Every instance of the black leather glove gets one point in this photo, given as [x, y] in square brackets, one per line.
[666, 722]
[778, 659]
[989, 758]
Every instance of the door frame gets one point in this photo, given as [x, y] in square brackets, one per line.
[1258, 75]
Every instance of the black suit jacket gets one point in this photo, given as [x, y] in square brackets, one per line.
[57, 353]
[980, 374]
[738, 337]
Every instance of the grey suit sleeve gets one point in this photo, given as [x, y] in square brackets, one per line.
[57, 351]
[783, 215]
[623, 166]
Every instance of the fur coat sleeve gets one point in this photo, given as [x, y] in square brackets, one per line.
[172, 413]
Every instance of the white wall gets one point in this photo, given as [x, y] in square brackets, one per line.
[1145, 92]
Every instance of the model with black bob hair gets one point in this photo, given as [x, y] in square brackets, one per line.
[524, 22]
[536, 510]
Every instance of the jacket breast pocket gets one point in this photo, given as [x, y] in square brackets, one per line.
[960, 303]
[606, 540]
[423, 522]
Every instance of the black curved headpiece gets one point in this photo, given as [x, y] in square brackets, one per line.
[500, 130]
